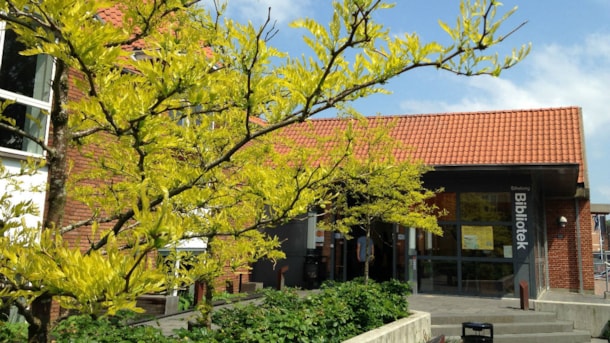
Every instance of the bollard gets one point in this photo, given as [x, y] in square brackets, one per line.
[524, 296]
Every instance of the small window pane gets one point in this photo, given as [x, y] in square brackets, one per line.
[434, 245]
[487, 241]
[437, 276]
[448, 202]
[486, 207]
[25, 75]
[488, 279]
[27, 118]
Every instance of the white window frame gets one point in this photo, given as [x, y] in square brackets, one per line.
[28, 102]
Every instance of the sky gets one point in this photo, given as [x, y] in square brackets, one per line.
[569, 64]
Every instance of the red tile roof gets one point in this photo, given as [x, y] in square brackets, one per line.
[112, 15]
[551, 136]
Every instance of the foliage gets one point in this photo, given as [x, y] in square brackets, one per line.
[185, 302]
[339, 311]
[84, 328]
[13, 332]
[163, 112]
[373, 185]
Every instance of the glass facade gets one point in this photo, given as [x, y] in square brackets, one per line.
[474, 255]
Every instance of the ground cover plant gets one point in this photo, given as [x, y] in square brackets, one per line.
[339, 311]
[335, 313]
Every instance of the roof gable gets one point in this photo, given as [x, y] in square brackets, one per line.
[551, 136]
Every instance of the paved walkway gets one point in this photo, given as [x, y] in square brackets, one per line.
[426, 303]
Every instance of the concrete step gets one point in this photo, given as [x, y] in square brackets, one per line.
[511, 326]
[508, 328]
[563, 337]
[515, 316]
[575, 336]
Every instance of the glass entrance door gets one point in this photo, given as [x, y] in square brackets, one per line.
[474, 255]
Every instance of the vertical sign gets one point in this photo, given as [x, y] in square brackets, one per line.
[521, 213]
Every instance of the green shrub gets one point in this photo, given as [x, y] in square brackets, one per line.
[13, 332]
[185, 302]
[76, 329]
[339, 311]
[373, 304]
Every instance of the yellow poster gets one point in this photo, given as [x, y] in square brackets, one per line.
[477, 237]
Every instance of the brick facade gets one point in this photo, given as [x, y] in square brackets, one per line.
[563, 251]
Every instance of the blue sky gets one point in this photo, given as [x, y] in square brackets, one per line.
[569, 64]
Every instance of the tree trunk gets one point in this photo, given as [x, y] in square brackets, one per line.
[209, 293]
[58, 156]
[38, 331]
[56, 195]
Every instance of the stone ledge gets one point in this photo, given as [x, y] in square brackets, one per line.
[590, 317]
[414, 328]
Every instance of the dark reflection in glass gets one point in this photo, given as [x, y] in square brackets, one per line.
[26, 75]
[437, 276]
[447, 202]
[488, 279]
[26, 118]
[486, 207]
[434, 245]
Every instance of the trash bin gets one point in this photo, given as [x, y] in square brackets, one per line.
[312, 277]
[476, 332]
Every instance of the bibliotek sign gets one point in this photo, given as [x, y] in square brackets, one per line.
[521, 202]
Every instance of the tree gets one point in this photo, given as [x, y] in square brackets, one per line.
[172, 110]
[373, 186]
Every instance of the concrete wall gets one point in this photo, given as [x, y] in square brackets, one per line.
[585, 316]
[416, 328]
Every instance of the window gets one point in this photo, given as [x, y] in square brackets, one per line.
[485, 207]
[25, 80]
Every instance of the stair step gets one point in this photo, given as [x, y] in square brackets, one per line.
[576, 336]
[494, 318]
[563, 337]
[507, 328]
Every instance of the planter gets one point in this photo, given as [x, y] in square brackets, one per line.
[415, 328]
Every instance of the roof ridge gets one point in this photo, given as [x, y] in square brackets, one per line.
[456, 113]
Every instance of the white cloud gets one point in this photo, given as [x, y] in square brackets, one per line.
[556, 76]
[256, 11]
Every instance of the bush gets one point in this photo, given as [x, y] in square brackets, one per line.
[13, 332]
[83, 328]
[338, 312]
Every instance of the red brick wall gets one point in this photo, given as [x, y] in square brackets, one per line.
[562, 245]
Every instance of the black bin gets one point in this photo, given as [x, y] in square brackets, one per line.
[477, 332]
[311, 269]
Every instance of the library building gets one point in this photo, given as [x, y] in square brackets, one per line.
[516, 195]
